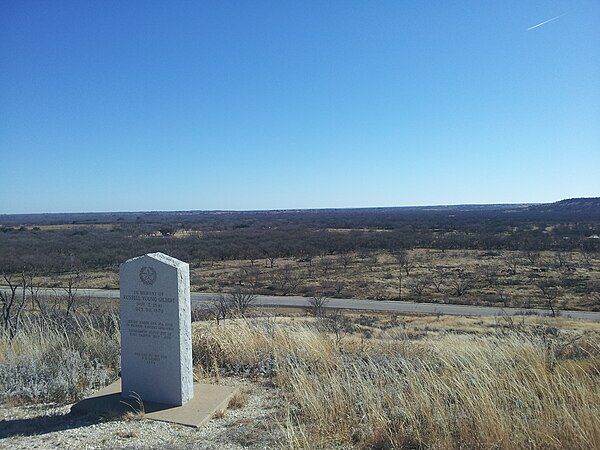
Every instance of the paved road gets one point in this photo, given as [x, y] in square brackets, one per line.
[363, 305]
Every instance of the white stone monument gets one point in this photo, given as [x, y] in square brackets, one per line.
[156, 330]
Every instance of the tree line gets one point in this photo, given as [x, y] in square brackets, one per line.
[106, 241]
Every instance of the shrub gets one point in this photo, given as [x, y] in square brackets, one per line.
[58, 359]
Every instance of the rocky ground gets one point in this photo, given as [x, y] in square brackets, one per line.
[251, 425]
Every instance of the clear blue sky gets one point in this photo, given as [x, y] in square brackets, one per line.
[179, 105]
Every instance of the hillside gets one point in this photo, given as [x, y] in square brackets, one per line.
[573, 207]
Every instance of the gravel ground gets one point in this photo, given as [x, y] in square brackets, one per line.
[41, 426]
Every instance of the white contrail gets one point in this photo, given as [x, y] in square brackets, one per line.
[545, 22]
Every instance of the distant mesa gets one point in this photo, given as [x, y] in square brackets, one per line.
[590, 205]
[580, 208]
[579, 203]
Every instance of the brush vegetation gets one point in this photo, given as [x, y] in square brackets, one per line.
[58, 358]
[504, 255]
[512, 386]
[356, 380]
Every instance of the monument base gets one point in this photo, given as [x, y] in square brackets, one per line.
[208, 400]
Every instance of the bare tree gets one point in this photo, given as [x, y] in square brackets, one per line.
[337, 324]
[417, 285]
[371, 262]
[286, 280]
[270, 255]
[337, 286]
[549, 291]
[587, 250]
[560, 259]
[513, 260]
[317, 304]
[503, 296]
[241, 299]
[437, 279]
[27, 278]
[532, 256]
[405, 261]
[459, 284]
[490, 275]
[12, 307]
[253, 254]
[71, 291]
[507, 323]
[345, 259]
[219, 307]
[250, 276]
[34, 293]
[325, 264]
[308, 256]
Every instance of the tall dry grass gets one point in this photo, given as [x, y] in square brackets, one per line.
[57, 358]
[511, 390]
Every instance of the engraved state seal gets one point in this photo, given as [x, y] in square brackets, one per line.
[147, 275]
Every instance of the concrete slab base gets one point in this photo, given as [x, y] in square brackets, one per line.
[208, 400]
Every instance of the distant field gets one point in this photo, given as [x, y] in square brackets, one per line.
[454, 276]
[510, 255]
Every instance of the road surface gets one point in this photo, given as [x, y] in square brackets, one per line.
[362, 305]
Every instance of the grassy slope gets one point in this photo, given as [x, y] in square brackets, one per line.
[361, 381]
[402, 384]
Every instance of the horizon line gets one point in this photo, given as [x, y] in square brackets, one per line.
[158, 211]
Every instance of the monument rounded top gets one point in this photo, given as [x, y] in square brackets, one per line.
[160, 257]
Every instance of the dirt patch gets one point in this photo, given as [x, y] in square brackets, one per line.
[250, 425]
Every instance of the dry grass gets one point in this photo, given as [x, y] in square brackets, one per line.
[527, 387]
[97, 279]
[219, 414]
[457, 393]
[240, 399]
[360, 380]
[58, 359]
